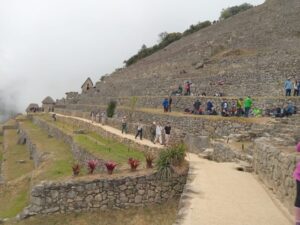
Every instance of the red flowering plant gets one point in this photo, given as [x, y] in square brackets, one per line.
[92, 164]
[76, 169]
[110, 166]
[134, 163]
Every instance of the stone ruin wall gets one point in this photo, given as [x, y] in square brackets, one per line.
[275, 167]
[89, 102]
[181, 126]
[103, 193]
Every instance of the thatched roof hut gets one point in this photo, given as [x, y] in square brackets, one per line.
[48, 100]
[32, 107]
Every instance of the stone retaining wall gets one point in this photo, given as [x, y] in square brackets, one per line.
[35, 153]
[275, 167]
[223, 153]
[198, 125]
[103, 193]
[79, 153]
[180, 103]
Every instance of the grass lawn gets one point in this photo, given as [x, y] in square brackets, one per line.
[58, 155]
[14, 197]
[107, 149]
[99, 146]
[13, 169]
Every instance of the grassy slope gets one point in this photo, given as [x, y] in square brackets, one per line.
[164, 214]
[58, 154]
[14, 195]
[57, 165]
[13, 153]
[99, 146]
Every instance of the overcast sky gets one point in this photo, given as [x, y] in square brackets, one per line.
[49, 47]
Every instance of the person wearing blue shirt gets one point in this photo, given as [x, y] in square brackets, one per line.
[166, 105]
[288, 85]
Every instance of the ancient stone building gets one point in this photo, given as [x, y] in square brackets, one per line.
[32, 107]
[87, 85]
[48, 104]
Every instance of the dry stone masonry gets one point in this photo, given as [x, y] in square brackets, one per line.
[103, 193]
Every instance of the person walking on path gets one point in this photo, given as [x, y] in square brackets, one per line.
[124, 125]
[288, 85]
[247, 105]
[93, 116]
[166, 104]
[139, 130]
[103, 118]
[296, 176]
[152, 131]
[170, 104]
[167, 133]
[296, 90]
[158, 134]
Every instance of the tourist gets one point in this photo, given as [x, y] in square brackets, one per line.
[197, 105]
[288, 85]
[167, 133]
[296, 176]
[239, 106]
[170, 104]
[103, 118]
[188, 88]
[209, 107]
[247, 105]
[97, 117]
[139, 130]
[165, 104]
[224, 108]
[233, 109]
[296, 90]
[289, 109]
[158, 134]
[124, 125]
[152, 131]
[93, 116]
[54, 117]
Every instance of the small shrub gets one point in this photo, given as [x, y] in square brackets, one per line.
[110, 166]
[149, 159]
[92, 164]
[76, 169]
[134, 163]
[110, 111]
[172, 156]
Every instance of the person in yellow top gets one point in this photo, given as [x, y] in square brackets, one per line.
[239, 106]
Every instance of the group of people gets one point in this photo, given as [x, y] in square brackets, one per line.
[158, 132]
[183, 91]
[284, 111]
[290, 85]
[98, 117]
[239, 107]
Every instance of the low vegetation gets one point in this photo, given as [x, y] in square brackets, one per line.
[171, 157]
[110, 111]
[234, 10]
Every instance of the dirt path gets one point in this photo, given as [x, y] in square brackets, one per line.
[116, 131]
[218, 194]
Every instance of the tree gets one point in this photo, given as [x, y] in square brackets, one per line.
[231, 11]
